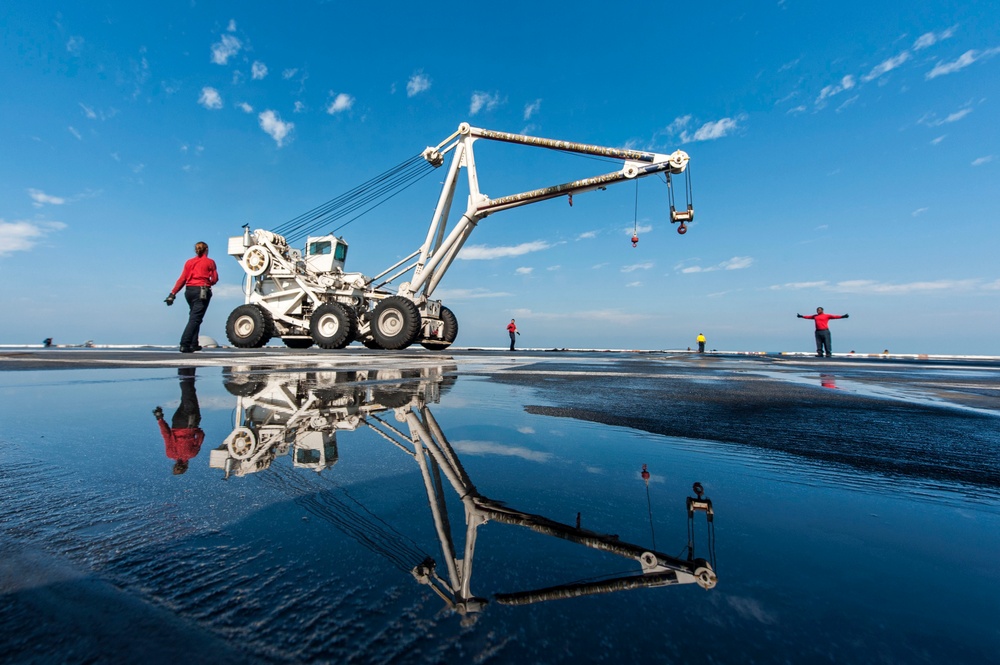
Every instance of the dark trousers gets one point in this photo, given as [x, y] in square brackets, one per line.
[512, 341]
[188, 414]
[198, 307]
[701, 347]
[823, 340]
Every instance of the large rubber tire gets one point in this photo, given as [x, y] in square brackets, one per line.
[249, 327]
[448, 334]
[297, 342]
[396, 323]
[372, 344]
[330, 325]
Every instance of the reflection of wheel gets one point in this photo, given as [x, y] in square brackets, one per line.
[242, 443]
[241, 385]
[449, 331]
[395, 322]
[256, 260]
[249, 327]
[297, 342]
[392, 397]
[332, 326]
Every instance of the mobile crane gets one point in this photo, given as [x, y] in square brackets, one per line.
[307, 297]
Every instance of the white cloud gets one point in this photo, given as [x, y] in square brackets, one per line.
[40, 198]
[72, 130]
[232, 25]
[74, 45]
[289, 73]
[468, 447]
[640, 228]
[847, 102]
[845, 83]
[21, 236]
[587, 234]
[417, 84]
[919, 211]
[798, 285]
[709, 131]
[258, 70]
[992, 286]
[979, 161]
[299, 107]
[963, 61]
[483, 252]
[735, 263]
[638, 266]
[87, 111]
[614, 316]
[340, 103]
[886, 66]
[468, 294]
[930, 121]
[483, 100]
[938, 139]
[524, 271]
[554, 268]
[532, 108]
[931, 38]
[271, 123]
[874, 287]
[796, 110]
[632, 285]
[225, 48]
[210, 98]
[246, 108]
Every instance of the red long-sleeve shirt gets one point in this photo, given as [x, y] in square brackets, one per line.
[181, 444]
[198, 271]
[823, 320]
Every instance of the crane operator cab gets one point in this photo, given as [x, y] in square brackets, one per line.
[325, 254]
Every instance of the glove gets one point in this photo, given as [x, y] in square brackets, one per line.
[799, 315]
[170, 299]
[158, 412]
[847, 316]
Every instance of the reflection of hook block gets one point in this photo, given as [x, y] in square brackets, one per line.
[705, 504]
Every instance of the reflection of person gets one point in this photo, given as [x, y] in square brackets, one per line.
[184, 436]
[823, 329]
[512, 329]
[199, 275]
[701, 343]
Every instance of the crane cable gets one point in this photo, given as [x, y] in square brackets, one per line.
[635, 227]
[649, 504]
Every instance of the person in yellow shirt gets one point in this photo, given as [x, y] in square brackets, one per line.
[701, 343]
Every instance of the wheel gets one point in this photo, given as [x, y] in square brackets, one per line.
[372, 344]
[242, 443]
[249, 327]
[297, 342]
[395, 323]
[449, 331]
[240, 383]
[256, 260]
[332, 326]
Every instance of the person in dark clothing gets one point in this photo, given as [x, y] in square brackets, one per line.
[198, 276]
[184, 436]
[823, 329]
[512, 329]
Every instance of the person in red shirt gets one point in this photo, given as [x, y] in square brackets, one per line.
[823, 329]
[198, 276]
[184, 436]
[512, 329]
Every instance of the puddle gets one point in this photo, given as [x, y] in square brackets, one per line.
[436, 513]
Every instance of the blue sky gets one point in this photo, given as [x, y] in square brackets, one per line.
[842, 155]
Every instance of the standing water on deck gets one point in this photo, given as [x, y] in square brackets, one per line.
[547, 515]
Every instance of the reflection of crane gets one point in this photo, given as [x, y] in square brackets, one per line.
[296, 404]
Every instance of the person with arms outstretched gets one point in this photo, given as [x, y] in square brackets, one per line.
[823, 329]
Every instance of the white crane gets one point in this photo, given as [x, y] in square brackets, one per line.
[307, 297]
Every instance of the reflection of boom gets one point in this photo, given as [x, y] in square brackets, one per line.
[297, 404]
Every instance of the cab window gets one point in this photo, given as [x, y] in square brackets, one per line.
[320, 248]
[341, 253]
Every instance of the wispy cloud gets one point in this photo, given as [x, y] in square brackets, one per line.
[637, 228]
[931, 120]
[586, 235]
[638, 266]
[75, 45]
[875, 287]
[979, 161]
[72, 130]
[524, 271]
[210, 98]
[484, 252]
[468, 294]
[258, 70]
[21, 236]
[40, 198]
[417, 84]
[932, 38]
[846, 83]
[886, 66]
[632, 285]
[708, 131]
[225, 48]
[246, 108]
[918, 212]
[735, 263]
[615, 316]
[483, 100]
[278, 130]
[342, 102]
[532, 108]
[963, 61]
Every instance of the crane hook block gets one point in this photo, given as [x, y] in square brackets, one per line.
[635, 240]
[682, 229]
